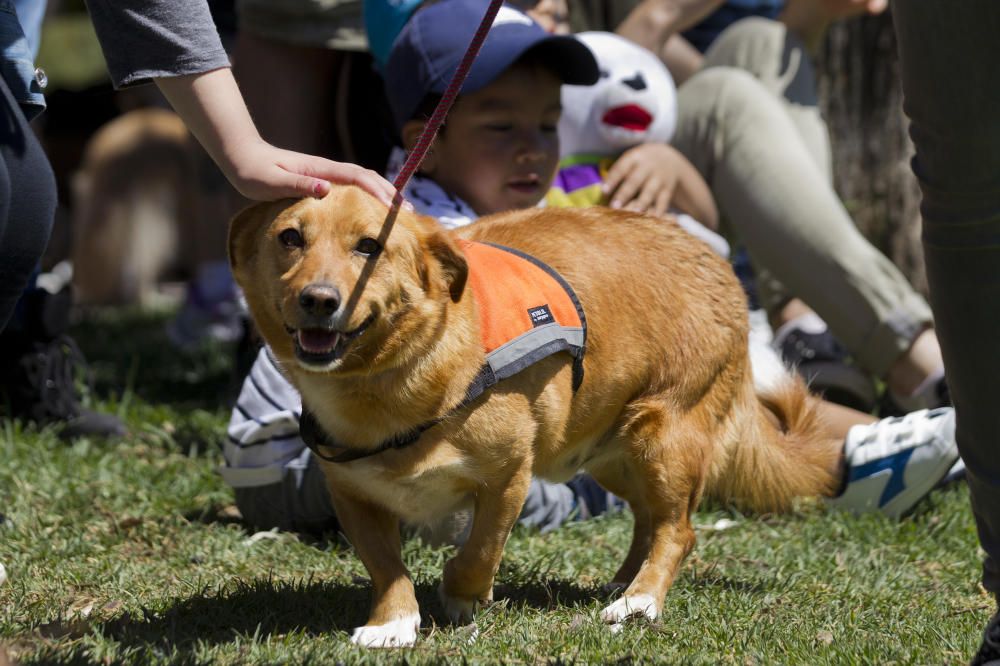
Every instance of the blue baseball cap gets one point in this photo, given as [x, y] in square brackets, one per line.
[427, 52]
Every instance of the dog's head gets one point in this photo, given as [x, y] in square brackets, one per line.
[331, 290]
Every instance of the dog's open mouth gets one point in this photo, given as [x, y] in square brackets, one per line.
[322, 346]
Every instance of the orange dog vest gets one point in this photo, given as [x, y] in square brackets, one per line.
[527, 312]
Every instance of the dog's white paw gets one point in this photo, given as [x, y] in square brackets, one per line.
[458, 610]
[630, 606]
[398, 633]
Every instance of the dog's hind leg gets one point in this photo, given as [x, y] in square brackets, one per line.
[394, 619]
[669, 453]
[619, 477]
[468, 577]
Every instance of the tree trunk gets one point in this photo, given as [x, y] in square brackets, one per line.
[862, 99]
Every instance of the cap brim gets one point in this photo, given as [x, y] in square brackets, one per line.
[569, 58]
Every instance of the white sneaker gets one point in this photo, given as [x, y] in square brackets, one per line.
[893, 463]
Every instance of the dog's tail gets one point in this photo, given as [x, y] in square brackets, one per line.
[781, 451]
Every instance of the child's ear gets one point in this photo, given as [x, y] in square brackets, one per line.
[411, 134]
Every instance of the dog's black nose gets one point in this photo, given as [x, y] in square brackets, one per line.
[320, 299]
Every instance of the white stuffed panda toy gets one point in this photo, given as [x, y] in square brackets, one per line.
[633, 102]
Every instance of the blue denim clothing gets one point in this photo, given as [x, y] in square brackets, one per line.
[18, 64]
[31, 13]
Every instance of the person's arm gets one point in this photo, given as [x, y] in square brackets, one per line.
[653, 22]
[655, 177]
[681, 58]
[174, 42]
[213, 109]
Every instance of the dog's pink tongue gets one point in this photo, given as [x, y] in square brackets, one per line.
[318, 341]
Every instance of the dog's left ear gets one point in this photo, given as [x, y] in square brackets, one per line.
[451, 260]
[244, 232]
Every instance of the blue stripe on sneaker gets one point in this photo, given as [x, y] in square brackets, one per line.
[895, 463]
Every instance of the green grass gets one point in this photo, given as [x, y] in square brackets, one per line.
[124, 552]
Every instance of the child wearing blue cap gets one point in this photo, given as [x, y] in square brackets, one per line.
[498, 150]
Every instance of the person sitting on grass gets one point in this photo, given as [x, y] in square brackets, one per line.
[497, 152]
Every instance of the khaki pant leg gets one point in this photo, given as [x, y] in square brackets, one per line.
[779, 60]
[777, 202]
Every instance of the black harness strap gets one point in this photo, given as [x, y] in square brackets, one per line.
[315, 436]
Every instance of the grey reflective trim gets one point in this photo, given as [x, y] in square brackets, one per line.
[532, 345]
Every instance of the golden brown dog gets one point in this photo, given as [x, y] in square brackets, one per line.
[380, 335]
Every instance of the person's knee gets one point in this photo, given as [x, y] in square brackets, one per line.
[27, 215]
[725, 91]
[772, 53]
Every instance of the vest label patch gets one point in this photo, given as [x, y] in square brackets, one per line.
[540, 315]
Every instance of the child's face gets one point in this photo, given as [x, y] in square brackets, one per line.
[499, 150]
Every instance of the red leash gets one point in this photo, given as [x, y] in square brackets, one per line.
[416, 156]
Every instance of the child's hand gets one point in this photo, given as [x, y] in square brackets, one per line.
[654, 178]
[263, 172]
[643, 179]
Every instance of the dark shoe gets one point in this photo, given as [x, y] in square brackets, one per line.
[824, 364]
[989, 651]
[40, 383]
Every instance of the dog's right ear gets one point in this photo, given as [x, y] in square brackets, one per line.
[452, 262]
[244, 233]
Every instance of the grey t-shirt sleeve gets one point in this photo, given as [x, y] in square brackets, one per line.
[145, 39]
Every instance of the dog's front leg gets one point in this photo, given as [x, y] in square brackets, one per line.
[468, 577]
[394, 619]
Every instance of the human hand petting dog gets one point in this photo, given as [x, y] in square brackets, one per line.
[654, 177]
[264, 172]
[213, 109]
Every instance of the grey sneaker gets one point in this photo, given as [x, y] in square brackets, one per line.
[893, 463]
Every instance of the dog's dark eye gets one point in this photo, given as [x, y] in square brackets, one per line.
[368, 247]
[291, 238]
